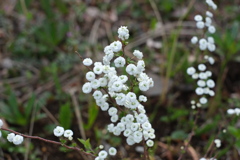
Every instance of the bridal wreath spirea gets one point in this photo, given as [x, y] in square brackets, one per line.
[112, 83]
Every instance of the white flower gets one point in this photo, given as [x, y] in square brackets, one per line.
[123, 78]
[121, 126]
[211, 29]
[210, 83]
[211, 47]
[120, 98]
[202, 44]
[150, 143]
[112, 111]
[112, 151]
[152, 135]
[201, 83]
[87, 62]
[100, 146]
[208, 21]
[17, 140]
[200, 25]
[143, 86]
[142, 98]
[116, 46]
[1, 123]
[119, 62]
[129, 118]
[198, 18]
[211, 93]
[211, 60]
[127, 132]
[98, 69]
[231, 111]
[110, 127]
[103, 81]
[116, 131]
[104, 107]
[210, 40]
[68, 133]
[117, 86]
[199, 91]
[194, 40]
[202, 75]
[138, 54]
[123, 33]
[217, 142]
[191, 70]
[108, 50]
[202, 67]
[95, 84]
[90, 76]
[140, 66]
[58, 131]
[209, 14]
[114, 118]
[146, 126]
[10, 137]
[86, 88]
[130, 140]
[137, 136]
[237, 111]
[134, 126]
[195, 76]
[97, 94]
[131, 69]
[141, 118]
[203, 100]
[102, 154]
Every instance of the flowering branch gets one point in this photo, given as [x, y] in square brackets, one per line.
[48, 141]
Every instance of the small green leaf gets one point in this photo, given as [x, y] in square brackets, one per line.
[86, 144]
[65, 115]
[179, 135]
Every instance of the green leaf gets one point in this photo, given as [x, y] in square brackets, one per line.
[234, 131]
[86, 144]
[93, 113]
[65, 116]
[29, 106]
[179, 135]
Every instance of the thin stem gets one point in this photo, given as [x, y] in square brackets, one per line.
[78, 115]
[48, 141]
[146, 154]
[190, 137]
[82, 59]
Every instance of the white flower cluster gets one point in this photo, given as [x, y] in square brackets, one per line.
[123, 33]
[108, 86]
[201, 23]
[103, 154]
[234, 111]
[59, 131]
[15, 139]
[204, 82]
[217, 143]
